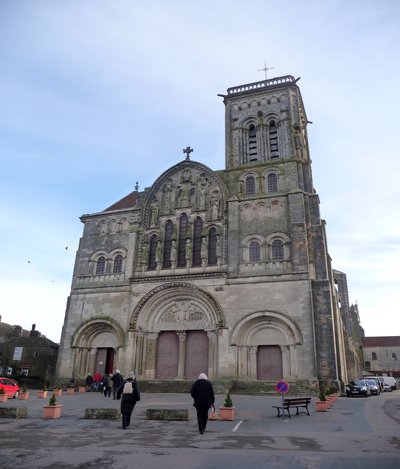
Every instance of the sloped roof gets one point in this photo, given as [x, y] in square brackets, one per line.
[129, 201]
[32, 341]
[384, 341]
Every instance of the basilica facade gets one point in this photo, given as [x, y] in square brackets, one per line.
[224, 272]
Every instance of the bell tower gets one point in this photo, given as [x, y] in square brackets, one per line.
[266, 124]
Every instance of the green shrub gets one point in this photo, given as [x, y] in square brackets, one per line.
[228, 401]
[53, 400]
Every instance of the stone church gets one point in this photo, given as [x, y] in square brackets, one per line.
[225, 272]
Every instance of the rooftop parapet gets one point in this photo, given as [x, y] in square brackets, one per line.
[260, 85]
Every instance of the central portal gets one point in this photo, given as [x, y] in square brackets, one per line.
[194, 354]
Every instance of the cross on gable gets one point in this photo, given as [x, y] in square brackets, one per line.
[187, 150]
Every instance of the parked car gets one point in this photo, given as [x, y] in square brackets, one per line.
[387, 387]
[391, 381]
[357, 388]
[374, 386]
[10, 387]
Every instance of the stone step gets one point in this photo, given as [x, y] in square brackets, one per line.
[300, 388]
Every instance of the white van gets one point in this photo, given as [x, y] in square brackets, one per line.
[390, 381]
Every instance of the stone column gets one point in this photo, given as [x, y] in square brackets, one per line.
[181, 354]
[150, 356]
[212, 353]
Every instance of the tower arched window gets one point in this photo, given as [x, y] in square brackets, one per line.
[273, 140]
[374, 357]
[101, 265]
[272, 182]
[169, 230]
[212, 246]
[117, 268]
[252, 150]
[394, 356]
[152, 264]
[254, 251]
[183, 225]
[250, 185]
[277, 250]
[197, 239]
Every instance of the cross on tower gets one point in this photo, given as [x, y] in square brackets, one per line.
[265, 69]
[187, 150]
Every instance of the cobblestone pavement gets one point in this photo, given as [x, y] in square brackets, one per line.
[355, 432]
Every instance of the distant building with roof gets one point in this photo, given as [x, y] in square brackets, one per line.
[27, 353]
[382, 355]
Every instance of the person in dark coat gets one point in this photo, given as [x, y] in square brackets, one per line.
[129, 399]
[89, 382]
[116, 382]
[203, 395]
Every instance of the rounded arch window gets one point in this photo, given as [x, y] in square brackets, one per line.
[252, 143]
[152, 264]
[272, 182]
[101, 265]
[374, 356]
[254, 251]
[277, 250]
[117, 269]
[250, 185]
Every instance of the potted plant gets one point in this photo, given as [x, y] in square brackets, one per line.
[70, 390]
[24, 394]
[42, 394]
[3, 395]
[52, 410]
[322, 404]
[227, 412]
[58, 391]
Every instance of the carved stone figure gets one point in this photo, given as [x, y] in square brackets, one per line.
[159, 252]
[188, 252]
[145, 253]
[169, 196]
[155, 208]
[215, 203]
[173, 251]
[202, 197]
[204, 249]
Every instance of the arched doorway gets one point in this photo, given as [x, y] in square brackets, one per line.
[95, 345]
[266, 344]
[177, 326]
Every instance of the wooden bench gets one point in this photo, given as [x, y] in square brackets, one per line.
[291, 402]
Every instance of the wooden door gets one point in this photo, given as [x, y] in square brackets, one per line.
[196, 357]
[269, 362]
[167, 355]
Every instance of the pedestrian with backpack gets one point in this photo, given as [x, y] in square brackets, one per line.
[129, 394]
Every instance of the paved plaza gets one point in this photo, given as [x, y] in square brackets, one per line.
[354, 433]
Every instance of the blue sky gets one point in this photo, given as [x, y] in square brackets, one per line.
[97, 95]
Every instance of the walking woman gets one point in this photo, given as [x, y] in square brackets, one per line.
[129, 390]
[203, 395]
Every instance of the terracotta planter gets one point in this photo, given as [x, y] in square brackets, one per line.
[3, 397]
[70, 390]
[227, 413]
[42, 394]
[58, 392]
[82, 389]
[23, 396]
[321, 406]
[52, 411]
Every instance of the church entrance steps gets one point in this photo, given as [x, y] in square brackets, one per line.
[256, 388]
